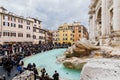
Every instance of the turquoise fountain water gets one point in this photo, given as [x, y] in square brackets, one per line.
[49, 62]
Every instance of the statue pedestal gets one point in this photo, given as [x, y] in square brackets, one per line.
[116, 39]
[105, 41]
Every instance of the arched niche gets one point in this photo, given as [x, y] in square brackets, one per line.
[111, 20]
[98, 22]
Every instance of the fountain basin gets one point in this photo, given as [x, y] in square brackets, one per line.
[48, 60]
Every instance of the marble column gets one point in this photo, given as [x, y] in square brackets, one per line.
[103, 20]
[91, 27]
[94, 25]
[116, 22]
[108, 33]
[116, 15]
[107, 18]
[103, 29]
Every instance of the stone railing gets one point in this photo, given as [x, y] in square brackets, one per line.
[27, 75]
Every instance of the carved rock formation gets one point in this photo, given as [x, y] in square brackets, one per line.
[80, 49]
[101, 69]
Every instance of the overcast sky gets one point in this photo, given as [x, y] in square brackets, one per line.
[52, 13]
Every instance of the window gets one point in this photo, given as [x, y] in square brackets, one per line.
[35, 21]
[20, 34]
[79, 31]
[28, 35]
[15, 19]
[28, 22]
[3, 23]
[20, 26]
[4, 33]
[6, 18]
[12, 34]
[9, 18]
[39, 22]
[8, 24]
[8, 33]
[79, 35]
[34, 30]
[14, 25]
[34, 37]
[41, 37]
[28, 27]
[20, 21]
[12, 19]
[40, 31]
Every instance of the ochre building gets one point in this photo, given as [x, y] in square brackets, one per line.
[70, 33]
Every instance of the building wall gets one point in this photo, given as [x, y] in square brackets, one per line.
[64, 35]
[70, 33]
[11, 26]
[14, 28]
[36, 30]
[55, 37]
[48, 36]
[76, 37]
[42, 35]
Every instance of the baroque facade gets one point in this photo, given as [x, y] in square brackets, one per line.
[104, 17]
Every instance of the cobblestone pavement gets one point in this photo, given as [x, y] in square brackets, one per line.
[13, 72]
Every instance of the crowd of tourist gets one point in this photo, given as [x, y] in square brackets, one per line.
[28, 48]
[44, 75]
[11, 55]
